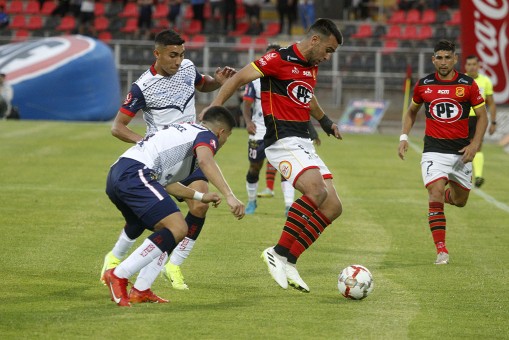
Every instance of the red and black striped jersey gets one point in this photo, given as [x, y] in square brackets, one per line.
[447, 105]
[287, 87]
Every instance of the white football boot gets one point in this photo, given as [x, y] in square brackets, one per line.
[276, 265]
[294, 278]
[442, 258]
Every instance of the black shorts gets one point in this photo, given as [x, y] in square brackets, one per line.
[472, 122]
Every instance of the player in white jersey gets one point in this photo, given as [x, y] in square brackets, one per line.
[165, 93]
[138, 183]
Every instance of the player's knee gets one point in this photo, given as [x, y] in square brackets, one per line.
[253, 176]
[460, 203]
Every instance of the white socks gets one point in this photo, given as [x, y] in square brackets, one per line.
[182, 251]
[288, 192]
[148, 274]
[251, 188]
[141, 257]
[122, 246]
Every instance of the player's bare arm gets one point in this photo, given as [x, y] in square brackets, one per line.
[179, 190]
[246, 113]
[327, 125]
[213, 173]
[492, 108]
[470, 150]
[408, 123]
[120, 129]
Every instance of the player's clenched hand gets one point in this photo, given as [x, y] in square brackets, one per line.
[236, 207]
[211, 197]
[222, 74]
[251, 128]
[402, 149]
[336, 134]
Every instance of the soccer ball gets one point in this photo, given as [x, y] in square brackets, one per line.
[355, 282]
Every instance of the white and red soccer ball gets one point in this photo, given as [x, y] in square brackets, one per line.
[355, 282]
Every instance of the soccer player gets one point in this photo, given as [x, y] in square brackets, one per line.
[447, 96]
[287, 78]
[166, 95]
[486, 88]
[136, 185]
[253, 116]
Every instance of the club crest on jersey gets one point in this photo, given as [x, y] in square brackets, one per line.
[285, 168]
[445, 110]
[460, 91]
[128, 98]
[213, 144]
[300, 92]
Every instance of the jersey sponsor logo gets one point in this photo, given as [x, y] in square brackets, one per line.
[213, 144]
[128, 98]
[460, 91]
[262, 61]
[307, 73]
[428, 90]
[443, 91]
[285, 168]
[270, 56]
[462, 81]
[31, 59]
[288, 58]
[445, 110]
[427, 81]
[300, 92]
[295, 70]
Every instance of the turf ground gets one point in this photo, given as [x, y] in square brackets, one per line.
[56, 224]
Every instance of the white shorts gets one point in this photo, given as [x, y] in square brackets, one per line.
[435, 166]
[294, 155]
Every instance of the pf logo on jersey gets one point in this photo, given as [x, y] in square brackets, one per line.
[300, 92]
[445, 110]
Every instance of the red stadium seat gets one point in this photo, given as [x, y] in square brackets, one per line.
[20, 35]
[241, 30]
[426, 32]
[261, 43]
[241, 12]
[193, 27]
[397, 17]
[99, 9]
[271, 29]
[363, 31]
[188, 14]
[68, 23]
[48, 7]
[32, 8]
[244, 43]
[161, 11]
[429, 16]
[105, 36]
[198, 41]
[18, 22]
[131, 26]
[15, 7]
[34, 23]
[101, 23]
[394, 32]
[455, 19]
[390, 46]
[410, 32]
[130, 10]
[413, 17]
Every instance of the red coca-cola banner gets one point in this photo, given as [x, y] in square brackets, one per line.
[484, 32]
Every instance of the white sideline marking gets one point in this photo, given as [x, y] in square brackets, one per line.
[478, 192]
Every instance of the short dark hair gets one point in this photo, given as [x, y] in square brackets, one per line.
[472, 56]
[168, 37]
[445, 45]
[219, 114]
[272, 46]
[326, 27]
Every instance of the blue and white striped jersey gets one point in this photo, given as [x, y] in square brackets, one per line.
[170, 152]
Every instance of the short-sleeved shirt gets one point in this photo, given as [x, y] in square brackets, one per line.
[252, 94]
[287, 87]
[164, 100]
[170, 153]
[485, 86]
[447, 105]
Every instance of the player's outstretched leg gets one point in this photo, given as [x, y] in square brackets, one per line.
[125, 241]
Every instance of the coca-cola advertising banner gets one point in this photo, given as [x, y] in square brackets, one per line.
[485, 32]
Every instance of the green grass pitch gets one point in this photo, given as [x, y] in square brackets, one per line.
[56, 225]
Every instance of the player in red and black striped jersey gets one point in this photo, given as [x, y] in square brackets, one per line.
[288, 77]
[448, 97]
